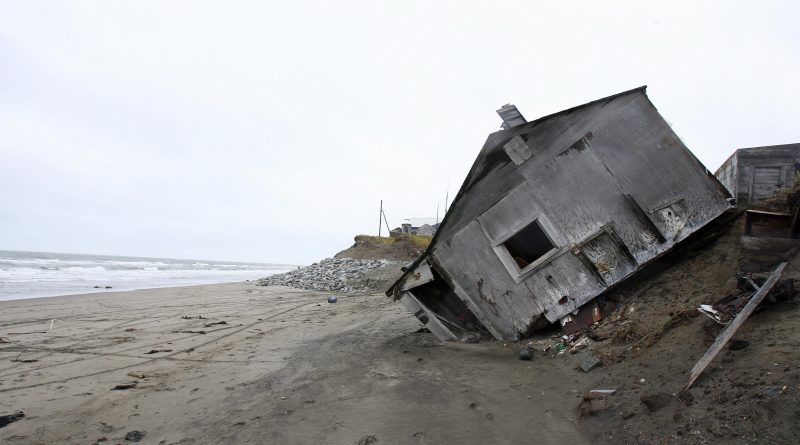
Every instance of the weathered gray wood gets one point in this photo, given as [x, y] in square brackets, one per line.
[430, 320]
[518, 150]
[754, 173]
[421, 275]
[730, 330]
[613, 161]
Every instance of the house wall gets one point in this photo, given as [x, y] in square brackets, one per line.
[756, 167]
[613, 193]
[727, 174]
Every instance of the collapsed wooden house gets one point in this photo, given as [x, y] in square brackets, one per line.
[751, 174]
[553, 213]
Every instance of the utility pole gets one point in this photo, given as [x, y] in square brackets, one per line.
[380, 222]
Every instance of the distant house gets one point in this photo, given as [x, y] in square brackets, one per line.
[553, 213]
[751, 174]
[408, 229]
[426, 230]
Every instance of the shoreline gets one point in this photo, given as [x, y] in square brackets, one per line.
[118, 291]
[264, 364]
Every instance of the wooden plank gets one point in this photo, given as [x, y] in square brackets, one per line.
[427, 317]
[419, 276]
[727, 333]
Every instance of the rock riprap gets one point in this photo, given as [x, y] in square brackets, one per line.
[346, 275]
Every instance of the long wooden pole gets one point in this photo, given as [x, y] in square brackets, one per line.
[727, 333]
[380, 222]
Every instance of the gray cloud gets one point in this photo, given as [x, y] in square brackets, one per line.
[270, 131]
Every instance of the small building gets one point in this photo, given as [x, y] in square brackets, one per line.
[751, 174]
[553, 213]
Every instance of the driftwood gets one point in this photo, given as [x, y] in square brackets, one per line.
[730, 330]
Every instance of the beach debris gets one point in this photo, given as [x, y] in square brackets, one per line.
[730, 330]
[603, 392]
[20, 360]
[332, 299]
[656, 401]
[156, 351]
[130, 330]
[526, 354]
[188, 332]
[138, 375]
[214, 324]
[581, 318]
[11, 418]
[587, 361]
[123, 386]
[26, 333]
[190, 317]
[368, 440]
[135, 436]
[4, 340]
[579, 345]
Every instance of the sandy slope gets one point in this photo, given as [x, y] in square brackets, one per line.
[286, 368]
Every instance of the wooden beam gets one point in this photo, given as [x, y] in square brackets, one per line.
[727, 333]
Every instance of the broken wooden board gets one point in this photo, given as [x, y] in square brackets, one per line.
[730, 330]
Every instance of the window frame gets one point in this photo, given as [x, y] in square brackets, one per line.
[502, 252]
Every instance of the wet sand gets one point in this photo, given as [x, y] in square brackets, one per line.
[285, 367]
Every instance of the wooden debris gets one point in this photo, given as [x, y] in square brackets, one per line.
[603, 392]
[123, 386]
[730, 330]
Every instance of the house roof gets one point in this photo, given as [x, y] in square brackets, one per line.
[569, 124]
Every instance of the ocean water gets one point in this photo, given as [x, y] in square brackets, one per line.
[42, 274]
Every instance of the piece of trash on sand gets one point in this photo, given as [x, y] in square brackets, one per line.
[156, 351]
[332, 299]
[138, 375]
[526, 354]
[11, 418]
[579, 345]
[215, 323]
[587, 361]
[4, 340]
[123, 386]
[135, 436]
[603, 392]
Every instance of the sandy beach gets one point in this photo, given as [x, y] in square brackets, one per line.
[266, 365]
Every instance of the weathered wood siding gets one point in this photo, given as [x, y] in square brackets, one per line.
[755, 173]
[613, 190]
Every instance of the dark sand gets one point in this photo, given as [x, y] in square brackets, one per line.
[287, 367]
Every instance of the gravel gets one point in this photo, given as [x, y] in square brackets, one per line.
[345, 275]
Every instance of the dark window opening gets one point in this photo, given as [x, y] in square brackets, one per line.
[439, 297]
[528, 245]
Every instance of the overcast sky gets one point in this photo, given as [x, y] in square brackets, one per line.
[270, 131]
